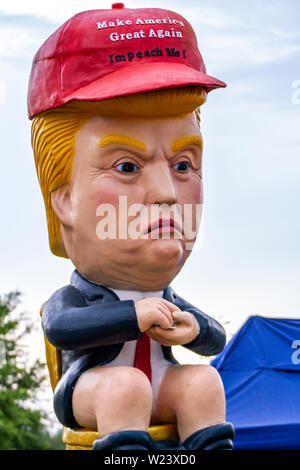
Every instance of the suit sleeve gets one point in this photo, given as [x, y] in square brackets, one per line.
[211, 338]
[69, 323]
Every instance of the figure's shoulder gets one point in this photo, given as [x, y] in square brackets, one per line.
[64, 296]
[181, 302]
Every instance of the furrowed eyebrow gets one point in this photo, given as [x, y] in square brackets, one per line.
[186, 142]
[121, 139]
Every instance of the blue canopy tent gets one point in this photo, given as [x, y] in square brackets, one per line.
[260, 369]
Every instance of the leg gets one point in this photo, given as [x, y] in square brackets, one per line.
[113, 399]
[193, 396]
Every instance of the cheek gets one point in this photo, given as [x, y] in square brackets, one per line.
[191, 205]
[105, 192]
[197, 192]
[118, 195]
[192, 193]
[105, 196]
[89, 199]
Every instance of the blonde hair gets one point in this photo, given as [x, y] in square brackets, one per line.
[53, 136]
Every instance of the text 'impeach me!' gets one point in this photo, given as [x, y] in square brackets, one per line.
[129, 56]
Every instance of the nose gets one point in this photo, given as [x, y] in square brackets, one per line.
[160, 185]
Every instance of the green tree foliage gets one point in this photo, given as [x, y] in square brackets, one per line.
[22, 424]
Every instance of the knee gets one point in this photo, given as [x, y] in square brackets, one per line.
[203, 384]
[134, 384]
[129, 385]
[209, 379]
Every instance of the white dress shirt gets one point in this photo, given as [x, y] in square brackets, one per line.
[159, 364]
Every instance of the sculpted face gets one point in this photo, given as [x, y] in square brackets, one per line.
[146, 162]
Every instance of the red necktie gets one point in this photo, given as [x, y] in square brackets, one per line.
[142, 355]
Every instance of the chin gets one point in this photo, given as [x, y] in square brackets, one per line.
[164, 253]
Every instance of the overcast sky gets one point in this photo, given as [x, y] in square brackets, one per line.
[248, 262]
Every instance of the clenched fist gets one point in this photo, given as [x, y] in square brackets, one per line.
[154, 311]
[187, 328]
[157, 316]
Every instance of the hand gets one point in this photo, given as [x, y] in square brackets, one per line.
[154, 311]
[187, 328]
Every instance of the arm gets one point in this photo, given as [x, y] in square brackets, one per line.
[211, 338]
[69, 323]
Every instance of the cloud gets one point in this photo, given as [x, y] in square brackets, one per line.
[2, 92]
[22, 35]
[54, 10]
[17, 42]
[212, 17]
[229, 51]
[285, 34]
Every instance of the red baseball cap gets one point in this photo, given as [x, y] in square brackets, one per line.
[102, 54]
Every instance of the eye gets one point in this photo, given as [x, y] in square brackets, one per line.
[127, 167]
[182, 166]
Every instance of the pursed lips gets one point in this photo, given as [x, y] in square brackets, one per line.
[160, 223]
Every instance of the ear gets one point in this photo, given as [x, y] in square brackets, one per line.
[62, 204]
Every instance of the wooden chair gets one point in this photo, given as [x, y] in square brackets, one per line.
[165, 435]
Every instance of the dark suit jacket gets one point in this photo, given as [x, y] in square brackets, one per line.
[90, 324]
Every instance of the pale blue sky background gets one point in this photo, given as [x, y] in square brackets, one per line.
[249, 259]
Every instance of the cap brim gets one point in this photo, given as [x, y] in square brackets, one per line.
[144, 77]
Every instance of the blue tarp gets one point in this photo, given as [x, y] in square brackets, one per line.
[260, 369]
